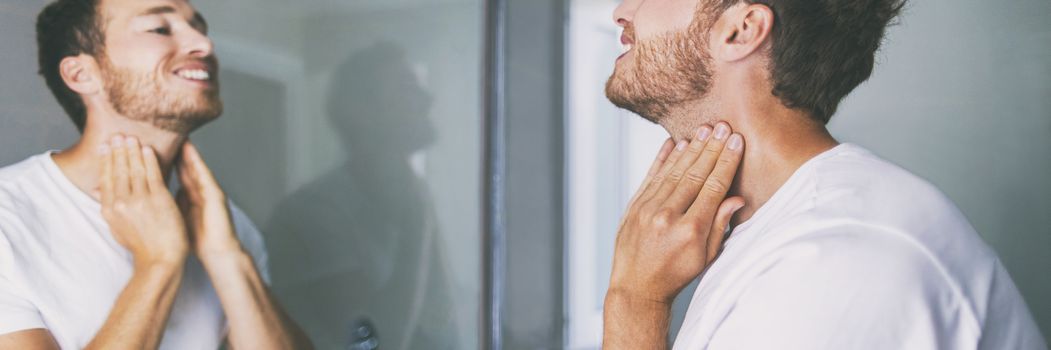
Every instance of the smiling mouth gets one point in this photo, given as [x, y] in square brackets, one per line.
[194, 74]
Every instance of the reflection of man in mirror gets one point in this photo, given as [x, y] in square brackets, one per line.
[361, 242]
[95, 251]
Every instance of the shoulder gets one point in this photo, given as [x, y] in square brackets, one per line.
[855, 184]
[19, 170]
[857, 175]
[846, 282]
[18, 184]
[866, 177]
[885, 262]
[15, 178]
[857, 252]
[818, 259]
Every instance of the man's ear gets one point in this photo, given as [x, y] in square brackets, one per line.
[81, 74]
[743, 30]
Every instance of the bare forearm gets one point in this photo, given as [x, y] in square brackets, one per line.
[140, 314]
[634, 323]
[256, 320]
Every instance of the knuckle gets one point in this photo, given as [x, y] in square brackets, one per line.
[120, 206]
[716, 186]
[675, 176]
[726, 161]
[693, 226]
[663, 217]
[712, 151]
[696, 176]
[692, 152]
[644, 210]
[697, 145]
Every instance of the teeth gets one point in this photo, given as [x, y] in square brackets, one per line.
[194, 74]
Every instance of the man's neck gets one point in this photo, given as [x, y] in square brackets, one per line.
[778, 141]
[81, 162]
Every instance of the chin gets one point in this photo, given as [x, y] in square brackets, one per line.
[186, 120]
[625, 96]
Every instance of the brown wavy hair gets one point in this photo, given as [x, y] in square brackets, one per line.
[68, 28]
[822, 49]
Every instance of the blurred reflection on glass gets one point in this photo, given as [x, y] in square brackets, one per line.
[353, 135]
[359, 243]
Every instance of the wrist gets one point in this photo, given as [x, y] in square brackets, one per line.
[224, 246]
[633, 322]
[224, 267]
[164, 261]
[639, 295]
[219, 256]
[636, 300]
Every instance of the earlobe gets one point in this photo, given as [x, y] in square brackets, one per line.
[78, 74]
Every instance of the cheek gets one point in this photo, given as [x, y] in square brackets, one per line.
[141, 55]
[657, 17]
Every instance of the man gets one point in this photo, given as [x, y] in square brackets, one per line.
[831, 247]
[94, 250]
[374, 245]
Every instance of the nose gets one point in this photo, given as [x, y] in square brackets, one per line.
[625, 12]
[197, 44]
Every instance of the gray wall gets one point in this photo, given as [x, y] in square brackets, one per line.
[31, 122]
[962, 96]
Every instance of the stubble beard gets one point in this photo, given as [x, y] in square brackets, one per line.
[667, 72]
[141, 97]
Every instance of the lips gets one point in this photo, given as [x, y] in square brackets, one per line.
[194, 74]
[627, 41]
[196, 71]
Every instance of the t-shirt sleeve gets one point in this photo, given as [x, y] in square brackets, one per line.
[17, 313]
[861, 290]
[252, 240]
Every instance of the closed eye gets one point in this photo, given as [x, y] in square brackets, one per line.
[161, 31]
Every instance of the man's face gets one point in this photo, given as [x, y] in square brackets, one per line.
[158, 65]
[667, 62]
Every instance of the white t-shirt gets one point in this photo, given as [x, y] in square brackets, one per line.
[853, 252]
[61, 269]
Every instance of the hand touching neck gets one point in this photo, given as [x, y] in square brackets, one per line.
[80, 162]
[778, 140]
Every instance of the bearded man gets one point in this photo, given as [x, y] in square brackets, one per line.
[95, 252]
[831, 247]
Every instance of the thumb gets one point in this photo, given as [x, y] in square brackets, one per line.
[197, 172]
[722, 221]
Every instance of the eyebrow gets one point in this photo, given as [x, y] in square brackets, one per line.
[159, 10]
[197, 21]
